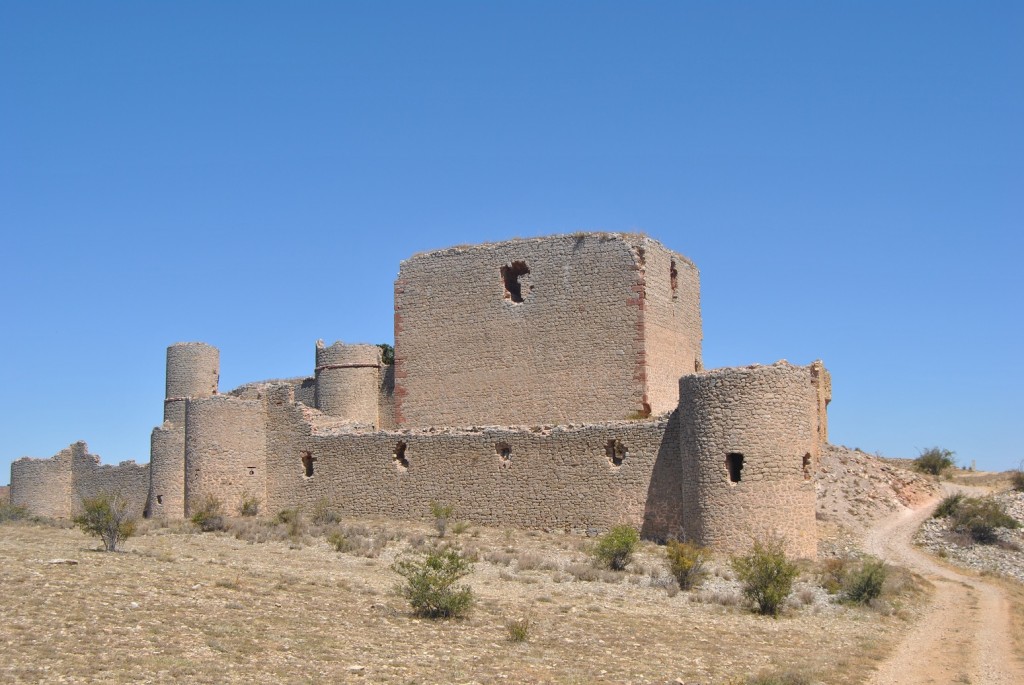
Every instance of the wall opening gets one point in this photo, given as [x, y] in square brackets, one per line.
[510, 275]
[307, 463]
[159, 499]
[616, 452]
[673, 276]
[401, 463]
[734, 465]
[807, 466]
[252, 470]
[504, 452]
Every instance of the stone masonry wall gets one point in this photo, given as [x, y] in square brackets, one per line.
[44, 486]
[522, 332]
[167, 472]
[193, 370]
[672, 326]
[548, 477]
[55, 487]
[763, 418]
[225, 441]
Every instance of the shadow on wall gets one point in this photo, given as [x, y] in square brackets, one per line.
[663, 511]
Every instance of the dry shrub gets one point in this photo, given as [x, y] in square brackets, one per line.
[208, 514]
[518, 629]
[687, 563]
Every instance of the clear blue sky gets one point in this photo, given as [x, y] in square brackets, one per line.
[847, 176]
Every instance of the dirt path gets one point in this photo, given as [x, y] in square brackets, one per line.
[965, 636]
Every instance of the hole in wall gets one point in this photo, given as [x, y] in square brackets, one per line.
[807, 466]
[159, 499]
[504, 452]
[673, 276]
[734, 465]
[401, 463]
[307, 463]
[616, 452]
[510, 275]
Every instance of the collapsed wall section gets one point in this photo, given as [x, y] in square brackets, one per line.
[749, 442]
[225, 440]
[523, 332]
[558, 477]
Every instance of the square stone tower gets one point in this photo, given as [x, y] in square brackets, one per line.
[575, 328]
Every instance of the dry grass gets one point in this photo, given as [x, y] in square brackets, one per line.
[213, 608]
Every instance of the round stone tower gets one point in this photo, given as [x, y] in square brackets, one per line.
[193, 370]
[348, 381]
[749, 441]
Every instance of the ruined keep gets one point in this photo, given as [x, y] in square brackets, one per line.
[549, 382]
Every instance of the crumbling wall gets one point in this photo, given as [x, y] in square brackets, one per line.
[225, 441]
[560, 477]
[55, 487]
[749, 440]
[672, 325]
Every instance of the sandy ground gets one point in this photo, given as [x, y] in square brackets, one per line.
[966, 634]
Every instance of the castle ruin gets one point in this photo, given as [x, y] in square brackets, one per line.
[551, 382]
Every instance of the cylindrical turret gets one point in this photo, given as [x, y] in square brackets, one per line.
[348, 382]
[193, 370]
[749, 442]
[225, 451]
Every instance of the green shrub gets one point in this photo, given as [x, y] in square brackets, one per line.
[108, 517]
[979, 517]
[934, 460]
[387, 353]
[208, 514]
[949, 505]
[250, 505]
[766, 575]
[865, 584]
[686, 563]
[518, 629]
[442, 514]
[430, 583]
[340, 541]
[615, 548]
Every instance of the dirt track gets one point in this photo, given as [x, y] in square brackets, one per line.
[965, 636]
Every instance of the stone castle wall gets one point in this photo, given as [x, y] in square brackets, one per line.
[225, 442]
[55, 487]
[748, 445]
[556, 477]
[547, 330]
[193, 370]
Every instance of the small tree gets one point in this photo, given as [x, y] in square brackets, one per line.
[934, 460]
[767, 576]
[108, 517]
[615, 548]
[430, 583]
[686, 562]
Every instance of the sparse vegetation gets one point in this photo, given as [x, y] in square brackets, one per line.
[11, 512]
[442, 514]
[615, 548]
[865, 583]
[323, 513]
[208, 514]
[249, 505]
[949, 505]
[786, 677]
[108, 517]
[1017, 480]
[387, 353]
[686, 563]
[518, 629]
[934, 461]
[430, 581]
[767, 575]
[979, 517]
